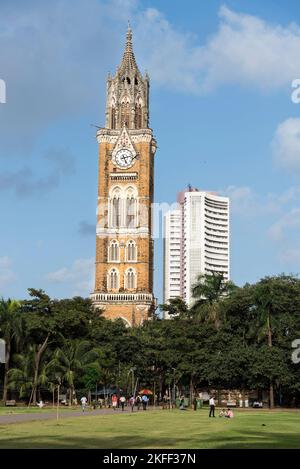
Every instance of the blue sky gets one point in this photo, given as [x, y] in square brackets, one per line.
[221, 110]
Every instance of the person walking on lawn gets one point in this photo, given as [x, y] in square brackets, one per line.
[122, 402]
[212, 406]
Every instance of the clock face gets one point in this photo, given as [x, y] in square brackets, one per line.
[124, 158]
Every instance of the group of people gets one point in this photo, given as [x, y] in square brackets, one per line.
[143, 401]
[227, 413]
[138, 401]
[117, 402]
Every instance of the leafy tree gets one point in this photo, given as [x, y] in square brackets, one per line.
[11, 330]
[272, 296]
[71, 360]
[209, 291]
[176, 307]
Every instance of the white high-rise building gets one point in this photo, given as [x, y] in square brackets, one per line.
[204, 244]
[172, 254]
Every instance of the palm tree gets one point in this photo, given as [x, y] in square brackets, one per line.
[71, 360]
[23, 376]
[208, 292]
[11, 328]
[265, 293]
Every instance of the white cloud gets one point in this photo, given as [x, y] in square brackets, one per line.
[79, 276]
[290, 220]
[245, 201]
[291, 256]
[286, 144]
[242, 199]
[6, 272]
[54, 58]
[245, 50]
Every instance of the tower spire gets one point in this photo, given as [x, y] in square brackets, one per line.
[128, 60]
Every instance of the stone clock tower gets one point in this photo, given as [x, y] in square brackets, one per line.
[124, 245]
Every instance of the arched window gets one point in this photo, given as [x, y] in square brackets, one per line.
[131, 208]
[130, 279]
[114, 251]
[138, 116]
[113, 279]
[131, 251]
[115, 208]
[130, 211]
[125, 112]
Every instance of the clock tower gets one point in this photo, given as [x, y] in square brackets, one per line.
[124, 244]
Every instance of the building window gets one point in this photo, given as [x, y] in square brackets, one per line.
[138, 116]
[125, 112]
[114, 251]
[131, 208]
[116, 212]
[130, 211]
[130, 279]
[115, 207]
[131, 251]
[113, 279]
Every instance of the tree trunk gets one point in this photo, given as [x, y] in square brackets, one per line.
[41, 349]
[191, 391]
[270, 344]
[6, 370]
[271, 394]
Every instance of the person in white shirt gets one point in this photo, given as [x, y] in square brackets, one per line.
[83, 401]
[122, 402]
[212, 407]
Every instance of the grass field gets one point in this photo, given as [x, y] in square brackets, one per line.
[158, 429]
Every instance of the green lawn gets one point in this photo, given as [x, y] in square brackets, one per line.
[158, 429]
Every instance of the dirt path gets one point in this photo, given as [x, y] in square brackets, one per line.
[51, 415]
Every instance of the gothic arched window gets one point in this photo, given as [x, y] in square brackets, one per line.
[131, 251]
[115, 208]
[138, 116]
[130, 279]
[113, 279]
[114, 251]
[130, 208]
[125, 112]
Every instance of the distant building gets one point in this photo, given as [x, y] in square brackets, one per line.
[172, 254]
[203, 244]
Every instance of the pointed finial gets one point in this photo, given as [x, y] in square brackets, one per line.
[128, 60]
[129, 38]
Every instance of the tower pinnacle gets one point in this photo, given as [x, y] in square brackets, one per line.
[128, 61]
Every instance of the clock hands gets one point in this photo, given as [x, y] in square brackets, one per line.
[125, 158]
